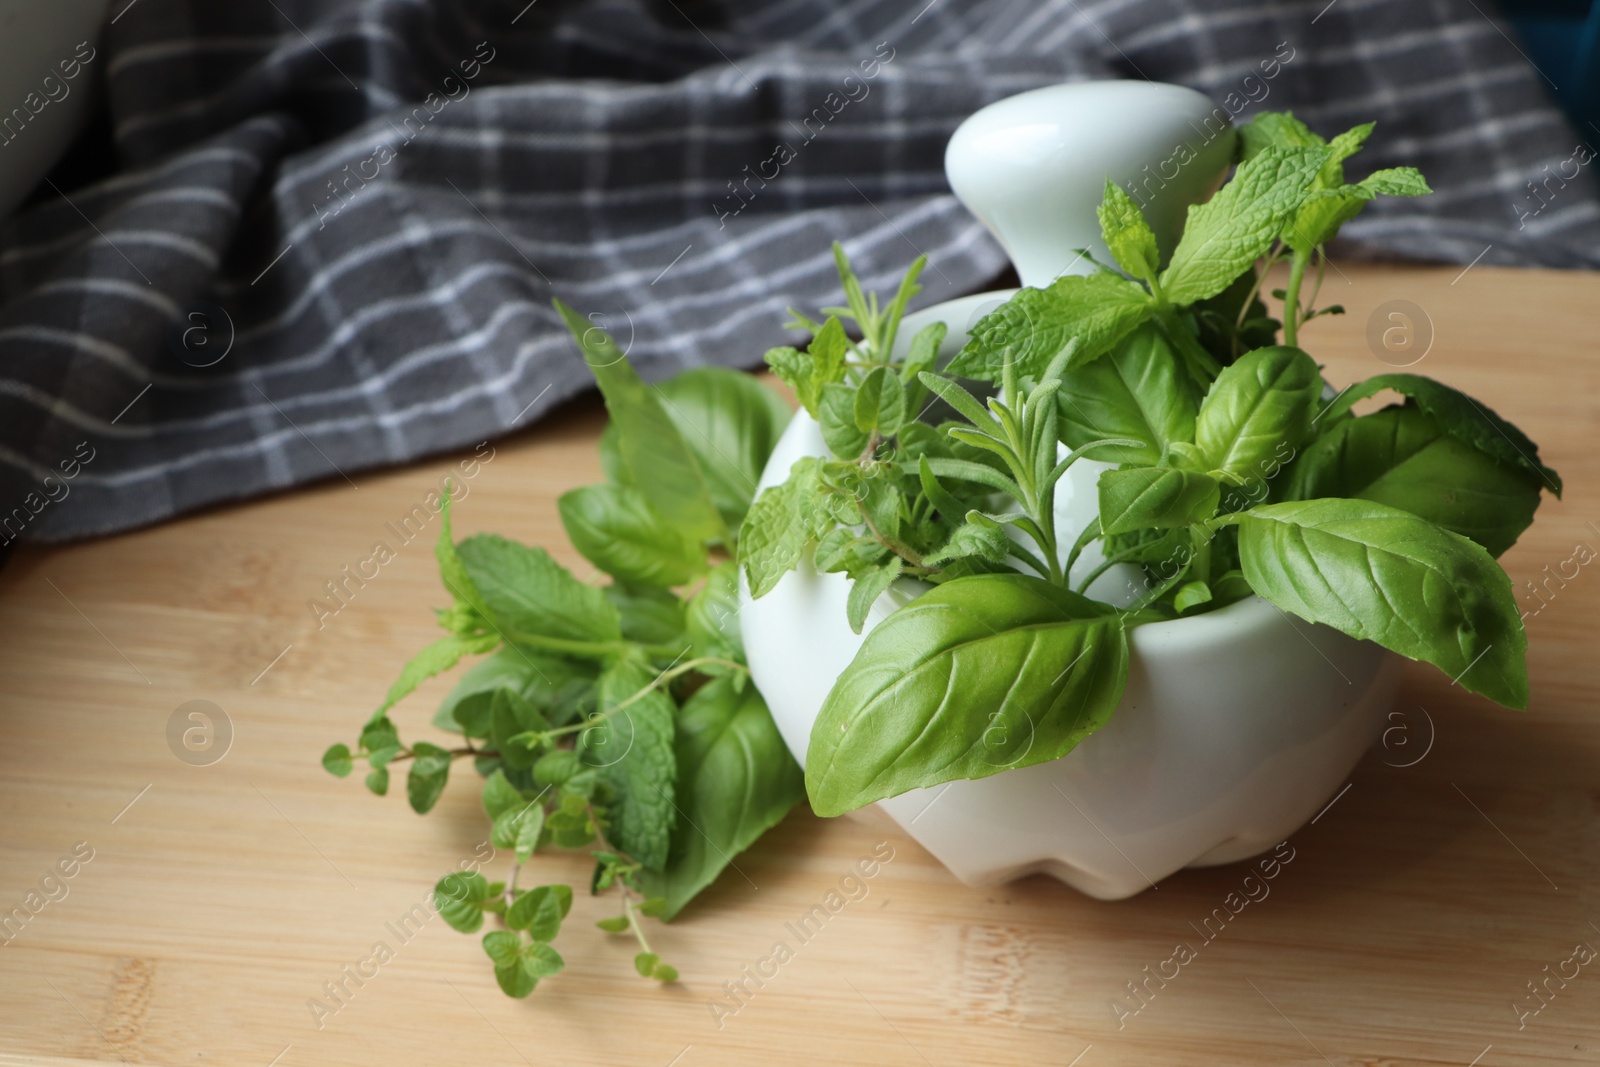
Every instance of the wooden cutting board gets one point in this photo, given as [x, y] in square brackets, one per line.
[1460, 864]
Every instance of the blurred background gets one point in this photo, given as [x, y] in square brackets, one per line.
[254, 245]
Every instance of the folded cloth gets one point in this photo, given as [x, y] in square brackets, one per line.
[337, 225]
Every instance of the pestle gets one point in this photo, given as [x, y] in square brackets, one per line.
[1033, 167]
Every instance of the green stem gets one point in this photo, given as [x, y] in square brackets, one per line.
[1291, 296]
[665, 676]
[588, 649]
[633, 920]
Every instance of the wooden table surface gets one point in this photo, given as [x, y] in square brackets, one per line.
[220, 898]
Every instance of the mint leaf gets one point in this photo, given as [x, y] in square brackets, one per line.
[836, 412]
[527, 592]
[866, 589]
[435, 659]
[1396, 181]
[500, 796]
[650, 447]
[617, 530]
[1226, 235]
[712, 617]
[1036, 325]
[336, 761]
[736, 780]
[632, 750]
[1127, 234]
[1278, 129]
[548, 681]
[460, 898]
[808, 372]
[880, 402]
[783, 520]
[430, 769]
[540, 911]
[518, 964]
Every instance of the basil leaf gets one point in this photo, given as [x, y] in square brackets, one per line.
[736, 780]
[980, 675]
[1265, 400]
[1401, 457]
[632, 750]
[1127, 234]
[880, 402]
[616, 529]
[652, 452]
[837, 414]
[1035, 325]
[731, 422]
[712, 618]
[1382, 574]
[1458, 415]
[1143, 498]
[550, 682]
[650, 615]
[1138, 392]
[527, 592]
[783, 520]
[1226, 235]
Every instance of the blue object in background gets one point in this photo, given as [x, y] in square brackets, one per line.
[1562, 38]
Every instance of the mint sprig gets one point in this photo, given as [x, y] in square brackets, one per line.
[614, 719]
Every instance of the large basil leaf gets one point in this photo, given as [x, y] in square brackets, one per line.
[527, 592]
[633, 751]
[1030, 329]
[1458, 415]
[731, 422]
[736, 780]
[1401, 457]
[649, 614]
[981, 675]
[1155, 497]
[1382, 574]
[651, 454]
[617, 530]
[1262, 402]
[1138, 392]
[1223, 237]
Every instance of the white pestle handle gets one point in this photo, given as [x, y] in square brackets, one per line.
[1033, 167]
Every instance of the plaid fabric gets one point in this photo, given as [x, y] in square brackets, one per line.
[377, 200]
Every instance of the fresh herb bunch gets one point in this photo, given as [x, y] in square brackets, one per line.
[615, 719]
[1224, 473]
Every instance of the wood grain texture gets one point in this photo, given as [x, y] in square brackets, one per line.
[1412, 915]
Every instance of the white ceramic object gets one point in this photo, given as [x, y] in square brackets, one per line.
[1236, 725]
[36, 38]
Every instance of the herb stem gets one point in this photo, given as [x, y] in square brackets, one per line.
[1291, 297]
[665, 676]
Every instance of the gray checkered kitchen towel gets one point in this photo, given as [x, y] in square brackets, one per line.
[377, 199]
